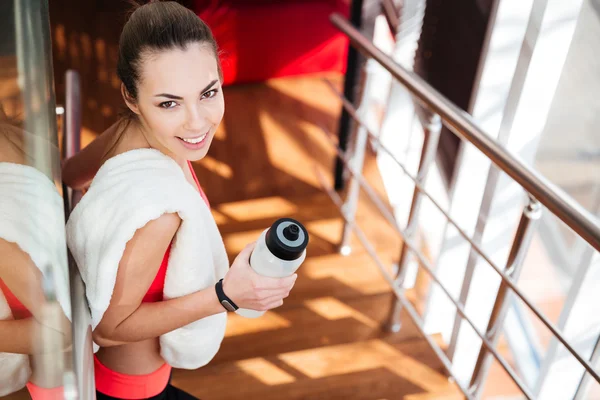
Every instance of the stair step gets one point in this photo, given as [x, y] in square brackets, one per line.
[317, 323]
[369, 369]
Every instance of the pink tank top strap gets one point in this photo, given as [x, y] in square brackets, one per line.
[17, 308]
[198, 184]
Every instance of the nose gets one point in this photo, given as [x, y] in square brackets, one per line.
[195, 119]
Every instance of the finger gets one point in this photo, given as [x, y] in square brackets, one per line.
[275, 304]
[277, 283]
[269, 295]
[271, 292]
[246, 252]
[272, 304]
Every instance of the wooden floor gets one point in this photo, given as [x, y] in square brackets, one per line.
[326, 342]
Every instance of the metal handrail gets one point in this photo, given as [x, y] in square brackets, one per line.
[505, 276]
[540, 191]
[426, 265]
[462, 124]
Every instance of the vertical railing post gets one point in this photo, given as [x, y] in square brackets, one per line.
[432, 127]
[77, 382]
[352, 73]
[72, 125]
[520, 246]
[357, 159]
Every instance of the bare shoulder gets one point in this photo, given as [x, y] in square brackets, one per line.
[165, 224]
[125, 137]
[20, 274]
[80, 169]
[156, 234]
[144, 253]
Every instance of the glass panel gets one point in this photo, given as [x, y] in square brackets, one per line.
[35, 332]
[560, 273]
[569, 150]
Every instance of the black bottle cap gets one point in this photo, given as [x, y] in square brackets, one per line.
[287, 239]
[291, 232]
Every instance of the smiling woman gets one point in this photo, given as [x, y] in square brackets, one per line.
[139, 173]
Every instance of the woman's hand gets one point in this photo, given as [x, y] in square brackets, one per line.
[252, 291]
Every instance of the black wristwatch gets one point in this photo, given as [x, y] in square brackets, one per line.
[223, 299]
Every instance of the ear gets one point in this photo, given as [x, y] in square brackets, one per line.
[129, 101]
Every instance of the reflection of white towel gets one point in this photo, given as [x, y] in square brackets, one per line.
[32, 216]
[128, 191]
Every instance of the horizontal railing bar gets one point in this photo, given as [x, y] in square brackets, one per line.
[462, 124]
[389, 217]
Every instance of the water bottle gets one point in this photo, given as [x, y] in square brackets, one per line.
[279, 251]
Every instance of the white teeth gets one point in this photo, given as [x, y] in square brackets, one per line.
[196, 140]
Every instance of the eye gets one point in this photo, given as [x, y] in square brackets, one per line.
[210, 94]
[167, 104]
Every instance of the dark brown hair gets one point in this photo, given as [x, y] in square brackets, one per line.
[157, 26]
[153, 27]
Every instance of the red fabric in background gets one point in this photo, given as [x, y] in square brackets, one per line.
[262, 39]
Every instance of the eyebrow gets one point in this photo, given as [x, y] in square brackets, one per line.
[173, 97]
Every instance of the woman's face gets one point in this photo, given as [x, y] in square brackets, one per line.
[180, 100]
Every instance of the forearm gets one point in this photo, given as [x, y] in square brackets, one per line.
[151, 320]
[26, 336]
[16, 336]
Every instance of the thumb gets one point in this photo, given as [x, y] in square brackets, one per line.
[246, 252]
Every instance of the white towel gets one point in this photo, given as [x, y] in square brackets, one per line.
[32, 216]
[128, 191]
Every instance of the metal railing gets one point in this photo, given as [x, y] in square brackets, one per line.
[391, 15]
[437, 110]
[84, 386]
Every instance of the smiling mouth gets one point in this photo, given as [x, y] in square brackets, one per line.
[195, 140]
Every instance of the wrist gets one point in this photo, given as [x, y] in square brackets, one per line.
[227, 288]
[225, 301]
[215, 304]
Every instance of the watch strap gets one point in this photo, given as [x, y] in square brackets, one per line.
[225, 301]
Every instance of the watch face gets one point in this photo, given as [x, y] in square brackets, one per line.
[227, 305]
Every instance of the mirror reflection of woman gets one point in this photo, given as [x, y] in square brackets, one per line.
[34, 332]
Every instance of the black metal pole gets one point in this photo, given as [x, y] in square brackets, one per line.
[352, 72]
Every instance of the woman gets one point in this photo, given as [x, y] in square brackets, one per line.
[34, 333]
[171, 84]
